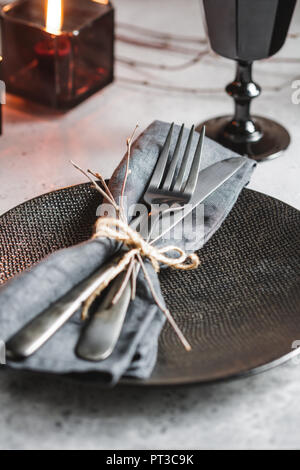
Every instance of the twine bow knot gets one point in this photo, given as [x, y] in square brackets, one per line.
[138, 250]
[119, 230]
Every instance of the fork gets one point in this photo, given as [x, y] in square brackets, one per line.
[100, 335]
[160, 190]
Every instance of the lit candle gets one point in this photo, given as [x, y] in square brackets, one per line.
[56, 47]
[54, 16]
[58, 52]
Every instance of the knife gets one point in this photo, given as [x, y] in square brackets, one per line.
[100, 335]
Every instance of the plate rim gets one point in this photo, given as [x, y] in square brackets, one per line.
[171, 382]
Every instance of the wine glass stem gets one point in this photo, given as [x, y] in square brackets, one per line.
[243, 89]
[243, 102]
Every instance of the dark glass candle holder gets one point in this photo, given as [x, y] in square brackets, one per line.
[60, 57]
[247, 30]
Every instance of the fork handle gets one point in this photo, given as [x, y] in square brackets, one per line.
[38, 331]
[100, 336]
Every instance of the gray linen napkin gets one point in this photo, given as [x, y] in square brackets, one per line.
[30, 293]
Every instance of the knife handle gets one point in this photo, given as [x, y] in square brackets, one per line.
[39, 330]
[99, 337]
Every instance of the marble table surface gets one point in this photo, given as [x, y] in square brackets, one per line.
[45, 412]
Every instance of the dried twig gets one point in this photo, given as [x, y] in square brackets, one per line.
[129, 144]
[162, 308]
[159, 86]
[158, 45]
[96, 185]
[132, 260]
[100, 177]
[161, 35]
[174, 68]
[133, 280]
[124, 282]
[162, 42]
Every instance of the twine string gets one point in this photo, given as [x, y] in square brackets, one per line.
[119, 230]
[138, 250]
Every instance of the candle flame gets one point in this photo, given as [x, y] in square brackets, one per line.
[54, 16]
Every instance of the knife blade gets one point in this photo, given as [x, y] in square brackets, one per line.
[99, 337]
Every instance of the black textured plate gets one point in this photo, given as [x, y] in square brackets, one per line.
[240, 309]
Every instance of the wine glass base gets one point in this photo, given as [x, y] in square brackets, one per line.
[274, 141]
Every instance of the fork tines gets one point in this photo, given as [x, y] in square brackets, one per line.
[185, 182]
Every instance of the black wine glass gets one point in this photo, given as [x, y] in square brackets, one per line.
[247, 30]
